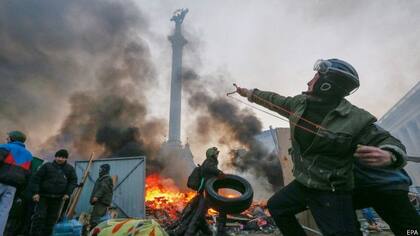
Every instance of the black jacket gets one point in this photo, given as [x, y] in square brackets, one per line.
[54, 180]
[209, 168]
[103, 190]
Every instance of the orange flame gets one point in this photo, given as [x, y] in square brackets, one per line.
[228, 193]
[164, 194]
[212, 212]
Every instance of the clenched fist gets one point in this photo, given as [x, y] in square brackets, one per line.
[373, 156]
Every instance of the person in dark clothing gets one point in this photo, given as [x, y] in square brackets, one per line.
[193, 217]
[15, 164]
[326, 130]
[385, 189]
[20, 215]
[52, 185]
[101, 196]
[208, 170]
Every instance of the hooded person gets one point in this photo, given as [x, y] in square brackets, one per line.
[15, 164]
[193, 216]
[52, 184]
[101, 196]
[327, 133]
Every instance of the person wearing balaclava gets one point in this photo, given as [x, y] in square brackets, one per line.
[101, 196]
[328, 135]
[52, 184]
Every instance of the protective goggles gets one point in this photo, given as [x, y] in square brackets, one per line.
[324, 66]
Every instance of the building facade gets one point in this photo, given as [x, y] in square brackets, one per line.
[403, 121]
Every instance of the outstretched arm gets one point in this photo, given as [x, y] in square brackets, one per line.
[270, 100]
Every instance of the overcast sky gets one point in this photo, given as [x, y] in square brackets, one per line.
[272, 45]
[52, 50]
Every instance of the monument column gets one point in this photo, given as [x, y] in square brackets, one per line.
[172, 151]
[178, 41]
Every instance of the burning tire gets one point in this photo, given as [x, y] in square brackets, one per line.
[229, 204]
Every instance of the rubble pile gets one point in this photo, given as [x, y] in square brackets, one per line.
[165, 202]
[255, 220]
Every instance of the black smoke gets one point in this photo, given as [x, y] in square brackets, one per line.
[218, 116]
[48, 50]
[113, 116]
[85, 65]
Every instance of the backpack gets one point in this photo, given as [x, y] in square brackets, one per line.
[194, 180]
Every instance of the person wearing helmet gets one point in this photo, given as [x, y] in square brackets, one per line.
[193, 216]
[209, 167]
[208, 170]
[15, 164]
[325, 132]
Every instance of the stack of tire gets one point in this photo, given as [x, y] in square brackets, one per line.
[229, 205]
